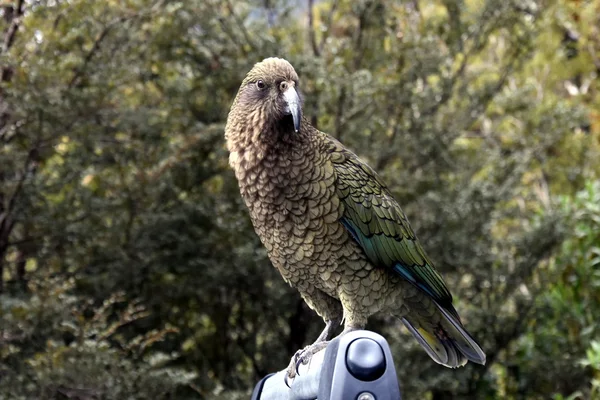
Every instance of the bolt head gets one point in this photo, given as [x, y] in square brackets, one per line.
[365, 396]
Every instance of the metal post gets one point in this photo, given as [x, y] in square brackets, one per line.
[356, 366]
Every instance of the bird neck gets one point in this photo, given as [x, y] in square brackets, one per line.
[252, 147]
[261, 136]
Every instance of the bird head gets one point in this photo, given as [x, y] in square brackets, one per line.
[269, 95]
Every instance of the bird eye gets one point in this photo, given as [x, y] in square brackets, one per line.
[260, 84]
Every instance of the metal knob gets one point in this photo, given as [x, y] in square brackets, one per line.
[365, 359]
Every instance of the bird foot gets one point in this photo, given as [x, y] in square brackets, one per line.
[303, 357]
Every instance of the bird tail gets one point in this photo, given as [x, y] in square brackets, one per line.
[446, 342]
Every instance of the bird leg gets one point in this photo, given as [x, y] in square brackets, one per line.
[350, 328]
[304, 355]
[327, 333]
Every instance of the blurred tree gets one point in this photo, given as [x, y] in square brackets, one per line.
[128, 266]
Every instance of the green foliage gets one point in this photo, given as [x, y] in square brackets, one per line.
[128, 265]
[593, 360]
[82, 354]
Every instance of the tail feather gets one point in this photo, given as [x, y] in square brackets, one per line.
[447, 342]
[462, 339]
[436, 350]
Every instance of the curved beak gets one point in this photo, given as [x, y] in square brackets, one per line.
[292, 106]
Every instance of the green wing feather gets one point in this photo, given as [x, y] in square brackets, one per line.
[378, 224]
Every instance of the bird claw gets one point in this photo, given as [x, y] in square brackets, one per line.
[302, 357]
[292, 370]
[286, 379]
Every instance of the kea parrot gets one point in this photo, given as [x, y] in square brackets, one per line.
[331, 226]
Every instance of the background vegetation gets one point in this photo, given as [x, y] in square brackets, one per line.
[129, 268]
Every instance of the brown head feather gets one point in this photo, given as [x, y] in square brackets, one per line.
[270, 70]
[257, 113]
